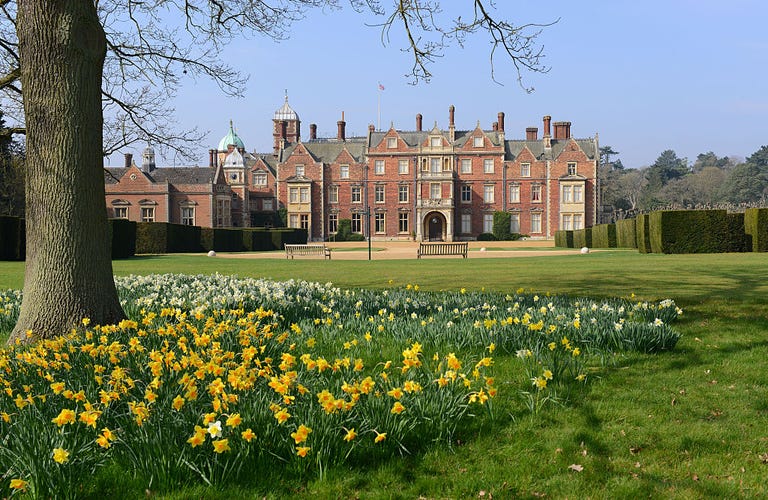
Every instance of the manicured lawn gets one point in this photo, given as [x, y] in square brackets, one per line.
[692, 423]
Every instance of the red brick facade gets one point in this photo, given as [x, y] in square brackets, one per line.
[438, 184]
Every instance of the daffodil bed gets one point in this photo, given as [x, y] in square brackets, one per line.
[216, 378]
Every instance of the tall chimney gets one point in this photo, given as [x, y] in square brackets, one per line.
[341, 125]
[451, 116]
[495, 126]
[567, 130]
[418, 122]
[547, 121]
[501, 121]
[312, 131]
[128, 159]
[371, 129]
[211, 158]
[561, 130]
[531, 133]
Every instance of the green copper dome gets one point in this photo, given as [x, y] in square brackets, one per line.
[231, 138]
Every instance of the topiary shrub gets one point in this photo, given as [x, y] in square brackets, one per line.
[501, 225]
[604, 236]
[691, 231]
[564, 239]
[582, 238]
[486, 237]
[756, 227]
[643, 232]
[626, 235]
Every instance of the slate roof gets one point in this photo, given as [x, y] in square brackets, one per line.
[326, 150]
[514, 147]
[172, 175]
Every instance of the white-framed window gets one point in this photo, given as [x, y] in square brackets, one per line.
[514, 193]
[536, 222]
[120, 212]
[435, 142]
[514, 223]
[487, 223]
[356, 194]
[536, 192]
[567, 194]
[578, 221]
[147, 214]
[402, 193]
[188, 216]
[293, 195]
[378, 167]
[477, 141]
[466, 166]
[466, 223]
[488, 165]
[435, 165]
[267, 204]
[300, 170]
[435, 191]
[572, 168]
[466, 193]
[260, 179]
[293, 220]
[525, 170]
[344, 171]
[304, 221]
[488, 193]
[378, 194]
[403, 222]
[567, 223]
[578, 194]
[402, 167]
[357, 223]
[304, 195]
[391, 142]
[378, 222]
[333, 223]
[333, 194]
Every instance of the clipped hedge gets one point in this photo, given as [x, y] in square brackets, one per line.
[582, 238]
[12, 238]
[290, 236]
[164, 237]
[643, 232]
[626, 235]
[257, 240]
[123, 238]
[221, 240]
[739, 241]
[756, 228]
[604, 236]
[695, 231]
[564, 239]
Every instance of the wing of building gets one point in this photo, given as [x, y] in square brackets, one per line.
[428, 184]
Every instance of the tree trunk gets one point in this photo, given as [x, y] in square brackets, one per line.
[69, 268]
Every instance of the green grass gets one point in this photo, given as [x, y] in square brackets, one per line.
[685, 424]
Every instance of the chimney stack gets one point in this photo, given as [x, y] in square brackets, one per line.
[547, 121]
[312, 131]
[211, 158]
[341, 124]
[128, 160]
[451, 116]
[562, 130]
[371, 129]
[531, 133]
[495, 126]
[501, 121]
[418, 122]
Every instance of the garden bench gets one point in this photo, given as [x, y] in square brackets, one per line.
[301, 250]
[449, 248]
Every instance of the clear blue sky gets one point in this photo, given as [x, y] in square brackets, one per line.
[687, 75]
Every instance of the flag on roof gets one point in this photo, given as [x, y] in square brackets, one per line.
[381, 87]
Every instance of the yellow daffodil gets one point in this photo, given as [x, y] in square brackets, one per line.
[350, 435]
[19, 484]
[302, 450]
[60, 455]
[380, 436]
[247, 435]
[221, 445]
[301, 434]
[66, 416]
[397, 408]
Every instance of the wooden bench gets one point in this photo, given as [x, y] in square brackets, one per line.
[302, 250]
[450, 248]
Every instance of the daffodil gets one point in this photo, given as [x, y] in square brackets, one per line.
[19, 484]
[350, 435]
[60, 455]
[247, 435]
[380, 436]
[221, 445]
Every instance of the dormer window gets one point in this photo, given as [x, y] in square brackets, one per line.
[477, 142]
[299, 170]
[435, 142]
[391, 142]
[260, 179]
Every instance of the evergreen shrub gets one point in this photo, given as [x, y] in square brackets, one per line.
[626, 235]
[564, 239]
[756, 227]
[604, 236]
[12, 238]
[486, 237]
[582, 238]
[643, 233]
[501, 225]
[123, 239]
[694, 231]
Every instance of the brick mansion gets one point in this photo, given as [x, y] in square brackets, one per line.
[428, 183]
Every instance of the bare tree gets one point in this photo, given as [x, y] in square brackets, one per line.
[122, 59]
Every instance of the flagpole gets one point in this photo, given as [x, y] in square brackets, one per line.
[378, 95]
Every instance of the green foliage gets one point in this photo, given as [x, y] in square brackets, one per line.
[694, 231]
[257, 240]
[756, 227]
[501, 225]
[344, 232]
[626, 235]
[12, 159]
[12, 238]
[123, 238]
[604, 236]
[282, 214]
[582, 238]
[564, 239]
[486, 237]
[643, 232]
[164, 237]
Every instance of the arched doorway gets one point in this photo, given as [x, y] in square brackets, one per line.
[434, 227]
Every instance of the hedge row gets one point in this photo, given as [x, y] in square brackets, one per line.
[678, 231]
[129, 238]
